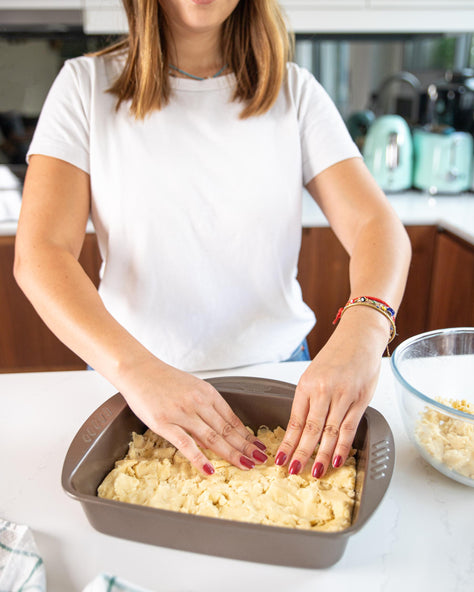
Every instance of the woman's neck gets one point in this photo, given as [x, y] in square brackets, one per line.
[198, 54]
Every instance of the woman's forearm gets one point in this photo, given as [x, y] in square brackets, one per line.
[68, 302]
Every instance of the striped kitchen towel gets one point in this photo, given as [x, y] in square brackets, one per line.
[21, 567]
[107, 583]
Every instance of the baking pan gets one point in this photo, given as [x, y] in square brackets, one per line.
[105, 436]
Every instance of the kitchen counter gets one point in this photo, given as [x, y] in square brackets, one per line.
[453, 212]
[420, 538]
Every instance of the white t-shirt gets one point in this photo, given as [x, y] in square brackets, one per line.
[197, 212]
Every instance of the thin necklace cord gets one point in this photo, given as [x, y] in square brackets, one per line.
[198, 77]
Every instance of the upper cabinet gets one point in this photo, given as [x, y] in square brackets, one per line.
[104, 16]
[380, 16]
[41, 4]
[421, 3]
[322, 4]
[304, 16]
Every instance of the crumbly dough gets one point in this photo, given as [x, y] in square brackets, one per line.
[155, 474]
[448, 440]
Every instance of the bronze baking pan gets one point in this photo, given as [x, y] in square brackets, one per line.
[104, 438]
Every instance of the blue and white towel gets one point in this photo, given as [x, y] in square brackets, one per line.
[22, 568]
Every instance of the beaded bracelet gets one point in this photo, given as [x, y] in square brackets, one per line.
[374, 303]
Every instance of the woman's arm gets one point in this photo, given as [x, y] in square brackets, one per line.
[335, 390]
[183, 409]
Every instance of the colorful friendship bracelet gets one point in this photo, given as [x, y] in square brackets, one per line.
[374, 303]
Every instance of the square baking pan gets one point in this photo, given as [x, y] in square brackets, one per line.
[104, 438]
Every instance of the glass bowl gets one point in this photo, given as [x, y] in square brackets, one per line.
[434, 375]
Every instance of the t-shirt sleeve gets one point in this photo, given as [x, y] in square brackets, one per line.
[325, 139]
[62, 130]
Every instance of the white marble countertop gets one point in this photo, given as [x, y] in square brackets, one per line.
[453, 212]
[420, 537]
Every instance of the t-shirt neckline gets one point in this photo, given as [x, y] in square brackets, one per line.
[189, 84]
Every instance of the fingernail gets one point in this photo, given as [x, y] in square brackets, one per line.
[337, 461]
[295, 467]
[318, 470]
[208, 468]
[260, 445]
[280, 459]
[246, 462]
[259, 456]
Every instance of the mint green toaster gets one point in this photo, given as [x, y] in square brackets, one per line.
[388, 153]
[442, 161]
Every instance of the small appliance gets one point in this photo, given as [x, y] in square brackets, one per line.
[442, 160]
[388, 153]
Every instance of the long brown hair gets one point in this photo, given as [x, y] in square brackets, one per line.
[255, 44]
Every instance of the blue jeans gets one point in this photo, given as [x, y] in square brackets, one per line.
[301, 353]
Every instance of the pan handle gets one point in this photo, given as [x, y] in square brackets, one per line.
[90, 430]
[379, 466]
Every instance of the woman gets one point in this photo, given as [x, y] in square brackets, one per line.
[189, 144]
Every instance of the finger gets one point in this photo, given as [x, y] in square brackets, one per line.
[225, 410]
[329, 438]
[188, 448]
[347, 432]
[311, 435]
[294, 429]
[231, 434]
[212, 440]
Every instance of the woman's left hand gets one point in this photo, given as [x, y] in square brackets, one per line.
[333, 393]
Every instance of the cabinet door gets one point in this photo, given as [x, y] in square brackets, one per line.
[40, 5]
[417, 4]
[412, 317]
[324, 4]
[26, 344]
[323, 273]
[452, 290]
[104, 16]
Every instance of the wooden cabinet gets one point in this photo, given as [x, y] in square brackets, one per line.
[452, 287]
[412, 317]
[439, 291]
[26, 344]
[323, 273]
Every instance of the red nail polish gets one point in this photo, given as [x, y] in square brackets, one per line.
[258, 455]
[280, 459]
[260, 445]
[246, 462]
[208, 468]
[337, 461]
[318, 470]
[295, 467]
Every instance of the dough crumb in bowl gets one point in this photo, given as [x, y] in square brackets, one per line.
[155, 474]
[449, 441]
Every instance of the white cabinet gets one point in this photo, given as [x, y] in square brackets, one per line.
[40, 4]
[380, 16]
[321, 4]
[104, 16]
[417, 4]
[325, 16]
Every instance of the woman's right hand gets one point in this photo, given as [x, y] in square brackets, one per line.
[185, 410]
[191, 414]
